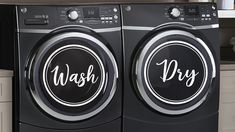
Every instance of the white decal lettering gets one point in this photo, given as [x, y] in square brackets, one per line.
[79, 79]
[166, 76]
[60, 80]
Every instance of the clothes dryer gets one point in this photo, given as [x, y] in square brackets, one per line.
[171, 76]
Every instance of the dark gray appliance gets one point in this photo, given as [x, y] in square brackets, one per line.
[70, 64]
[171, 76]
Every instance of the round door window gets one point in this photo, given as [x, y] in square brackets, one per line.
[176, 67]
[174, 71]
[72, 76]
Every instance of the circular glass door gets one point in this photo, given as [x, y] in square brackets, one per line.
[72, 76]
[174, 71]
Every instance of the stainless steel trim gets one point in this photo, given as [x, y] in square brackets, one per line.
[103, 30]
[30, 63]
[42, 31]
[123, 41]
[145, 28]
[139, 28]
[140, 63]
[64, 26]
[17, 17]
[46, 31]
[45, 81]
[92, 113]
[18, 50]
[210, 55]
[206, 27]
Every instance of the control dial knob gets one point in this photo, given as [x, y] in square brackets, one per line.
[174, 12]
[72, 15]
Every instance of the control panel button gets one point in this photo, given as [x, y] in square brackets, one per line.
[213, 7]
[214, 14]
[72, 15]
[174, 12]
[115, 9]
[80, 21]
[115, 17]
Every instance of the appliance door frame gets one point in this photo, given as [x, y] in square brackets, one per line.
[142, 86]
[110, 80]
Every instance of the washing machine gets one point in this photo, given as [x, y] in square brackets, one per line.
[171, 76]
[69, 68]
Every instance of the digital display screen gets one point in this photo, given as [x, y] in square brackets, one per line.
[191, 10]
[91, 12]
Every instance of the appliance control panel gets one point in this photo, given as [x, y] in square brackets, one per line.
[191, 12]
[90, 15]
[152, 15]
[94, 16]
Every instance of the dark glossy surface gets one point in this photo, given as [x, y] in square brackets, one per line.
[138, 116]
[31, 116]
